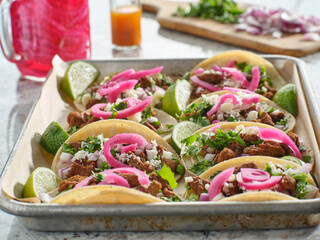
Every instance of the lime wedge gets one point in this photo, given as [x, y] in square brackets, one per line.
[53, 137]
[181, 131]
[286, 98]
[77, 78]
[176, 97]
[293, 159]
[41, 180]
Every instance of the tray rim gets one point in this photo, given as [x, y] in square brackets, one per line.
[311, 206]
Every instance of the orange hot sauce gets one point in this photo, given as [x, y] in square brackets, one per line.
[125, 23]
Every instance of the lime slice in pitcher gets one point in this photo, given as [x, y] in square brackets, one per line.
[77, 78]
[176, 97]
[41, 180]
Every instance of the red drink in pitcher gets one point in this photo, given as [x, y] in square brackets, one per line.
[43, 28]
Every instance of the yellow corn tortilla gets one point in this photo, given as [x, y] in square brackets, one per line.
[243, 56]
[188, 161]
[291, 118]
[104, 194]
[261, 162]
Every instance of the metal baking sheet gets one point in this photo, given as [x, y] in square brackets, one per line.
[170, 216]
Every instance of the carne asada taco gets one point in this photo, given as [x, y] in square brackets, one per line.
[129, 83]
[227, 106]
[253, 179]
[133, 109]
[114, 144]
[236, 69]
[223, 141]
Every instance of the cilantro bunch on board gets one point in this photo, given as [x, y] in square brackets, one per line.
[224, 11]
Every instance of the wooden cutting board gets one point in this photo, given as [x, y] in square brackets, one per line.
[292, 44]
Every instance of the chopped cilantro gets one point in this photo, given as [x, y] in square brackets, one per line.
[113, 115]
[97, 176]
[120, 106]
[306, 159]
[166, 173]
[301, 182]
[231, 119]
[269, 109]
[302, 148]
[193, 198]
[225, 11]
[163, 80]
[72, 130]
[91, 145]
[201, 166]
[180, 170]
[283, 122]
[68, 149]
[104, 166]
[218, 140]
[215, 174]
[171, 199]
[146, 114]
[169, 126]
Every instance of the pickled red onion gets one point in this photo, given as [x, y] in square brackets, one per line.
[218, 182]
[114, 179]
[118, 77]
[237, 75]
[278, 135]
[139, 107]
[271, 182]
[213, 129]
[204, 84]
[122, 138]
[221, 100]
[236, 90]
[216, 68]
[131, 148]
[251, 100]
[131, 101]
[203, 197]
[145, 73]
[198, 71]
[255, 79]
[115, 91]
[231, 64]
[142, 177]
[252, 174]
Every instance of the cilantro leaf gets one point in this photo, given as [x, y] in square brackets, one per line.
[146, 114]
[201, 166]
[301, 182]
[193, 198]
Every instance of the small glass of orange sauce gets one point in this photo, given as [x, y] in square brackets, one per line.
[125, 24]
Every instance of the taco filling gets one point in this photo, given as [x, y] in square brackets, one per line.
[232, 107]
[128, 83]
[140, 111]
[94, 156]
[235, 75]
[217, 145]
[249, 178]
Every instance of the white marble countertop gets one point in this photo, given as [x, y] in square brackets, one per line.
[18, 95]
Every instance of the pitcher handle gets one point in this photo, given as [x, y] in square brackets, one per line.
[5, 32]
